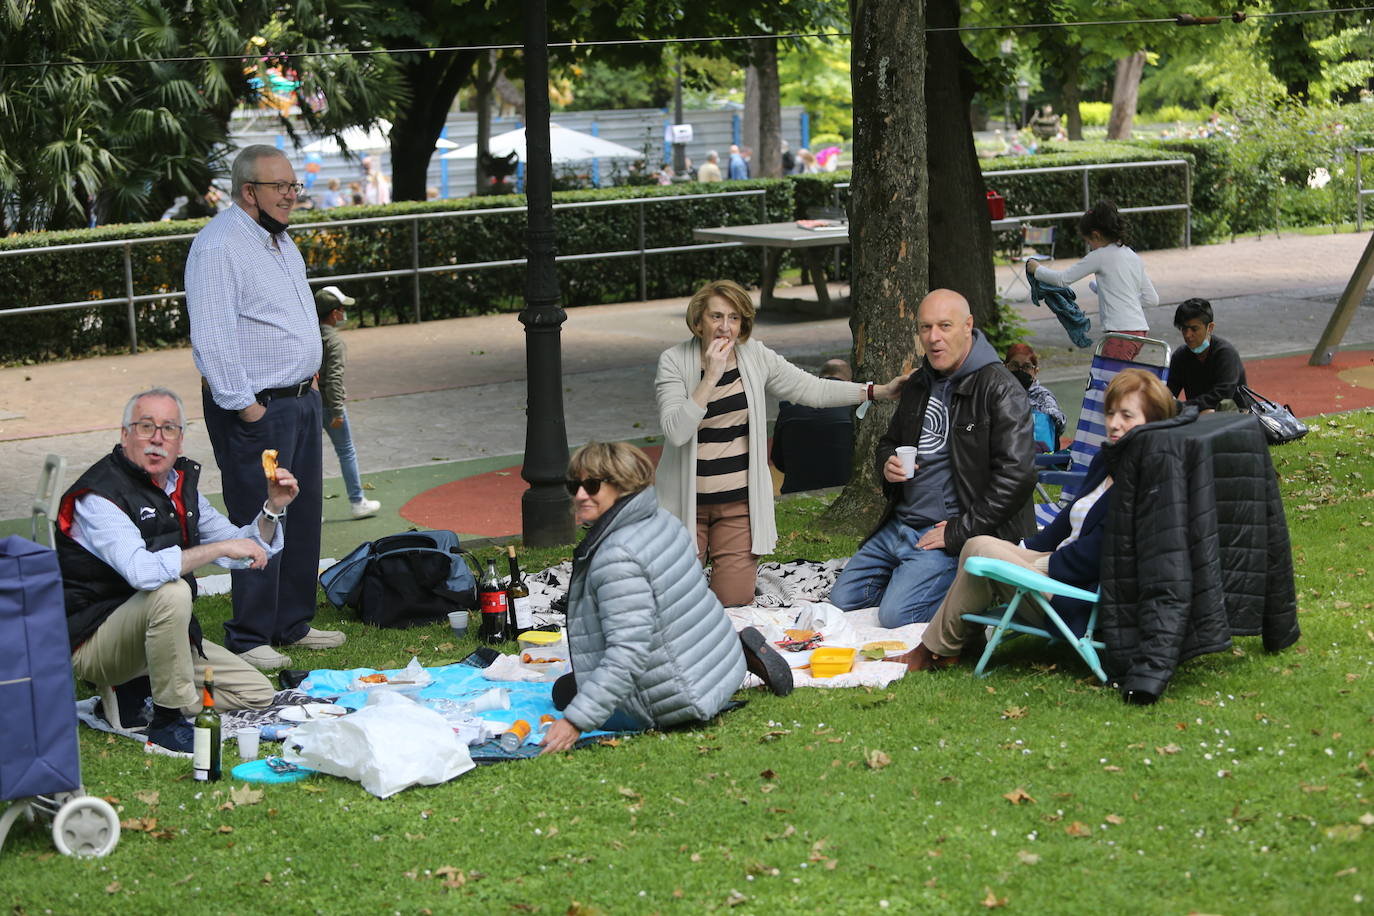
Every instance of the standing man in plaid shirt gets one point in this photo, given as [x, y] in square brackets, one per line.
[256, 341]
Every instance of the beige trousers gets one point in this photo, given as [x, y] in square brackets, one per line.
[723, 537]
[947, 631]
[147, 633]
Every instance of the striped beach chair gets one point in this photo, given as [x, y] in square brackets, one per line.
[1112, 353]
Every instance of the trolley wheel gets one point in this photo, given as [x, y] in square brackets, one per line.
[87, 827]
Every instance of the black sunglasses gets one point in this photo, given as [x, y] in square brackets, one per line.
[592, 485]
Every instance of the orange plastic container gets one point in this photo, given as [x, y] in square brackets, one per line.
[828, 662]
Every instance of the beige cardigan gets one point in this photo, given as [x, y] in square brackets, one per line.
[763, 372]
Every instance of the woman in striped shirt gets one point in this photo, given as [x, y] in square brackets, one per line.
[711, 393]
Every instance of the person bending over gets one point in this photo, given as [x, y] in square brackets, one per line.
[130, 532]
[650, 644]
[1069, 549]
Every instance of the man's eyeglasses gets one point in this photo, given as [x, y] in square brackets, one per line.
[592, 485]
[281, 187]
[144, 429]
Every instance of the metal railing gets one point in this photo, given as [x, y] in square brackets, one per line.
[130, 299]
[1360, 190]
[1187, 206]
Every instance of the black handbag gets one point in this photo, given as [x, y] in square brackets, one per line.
[1279, 424]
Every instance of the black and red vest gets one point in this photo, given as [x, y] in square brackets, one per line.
[92, 588]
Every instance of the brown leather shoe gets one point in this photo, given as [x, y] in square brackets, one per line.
[922, 659]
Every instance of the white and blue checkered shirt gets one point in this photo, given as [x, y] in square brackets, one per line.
[253, 321]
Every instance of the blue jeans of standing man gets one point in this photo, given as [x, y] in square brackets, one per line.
[906, 582]
[342, 437]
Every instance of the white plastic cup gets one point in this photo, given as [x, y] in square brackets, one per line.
[907, 455]
[248, 742]
[458, 620]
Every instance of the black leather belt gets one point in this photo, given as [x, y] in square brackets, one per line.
[297, 390]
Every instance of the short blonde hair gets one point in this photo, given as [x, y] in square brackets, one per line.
[619, 464]
[732, 293]
[1159, 403]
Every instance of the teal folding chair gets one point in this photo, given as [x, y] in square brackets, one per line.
[1031, 586]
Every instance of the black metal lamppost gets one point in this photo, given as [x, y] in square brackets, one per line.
[545, 508]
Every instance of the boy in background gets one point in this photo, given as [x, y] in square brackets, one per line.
[330, 303]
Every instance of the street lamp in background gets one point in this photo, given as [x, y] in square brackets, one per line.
[1022, 95]
[545, 508]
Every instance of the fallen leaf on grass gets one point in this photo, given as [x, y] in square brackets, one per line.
[267, 878]
[992, 901]
[769, 774]
[1018, 795]
[735, 899]
[772, 736]
[225, 828]
[1168, 749]
[1346, 872]
[147, 824]
[876, 759]
[149, 798]
[114, 887]
[583, 909]
[1014, 712]
[307, 787]
[1367, 819]
[1078, 828]
[1346, 832]
[1026, 857]
[1111, 769]
[1309, 789]
[629, 793]
[1114, 819]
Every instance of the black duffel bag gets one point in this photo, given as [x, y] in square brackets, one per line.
[403, 580]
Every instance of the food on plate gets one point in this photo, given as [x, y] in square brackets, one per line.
[535, 660]
[801, 635]
[269, 464]
[378, 678]
[886, 645]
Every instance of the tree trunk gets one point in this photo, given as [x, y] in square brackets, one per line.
[960, 232]
[486, 79]
[1073, 118]
[749, 120]
[1125, 94]
[433, 83]
[768, 153]
[887, 223]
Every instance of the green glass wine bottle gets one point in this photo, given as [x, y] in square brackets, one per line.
[206, 751]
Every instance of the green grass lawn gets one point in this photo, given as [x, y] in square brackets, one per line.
[1246, 789]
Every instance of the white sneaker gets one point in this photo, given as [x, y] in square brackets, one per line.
[365, 507]
[321, 639]
[265, 657]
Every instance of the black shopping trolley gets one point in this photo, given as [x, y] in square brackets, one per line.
[40, 769]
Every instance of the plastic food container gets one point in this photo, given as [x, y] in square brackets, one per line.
[537, 642]
[829, 661]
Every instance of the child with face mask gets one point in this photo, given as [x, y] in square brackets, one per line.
[1206, 370]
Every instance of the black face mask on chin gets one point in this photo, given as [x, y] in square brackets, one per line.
[273, 226]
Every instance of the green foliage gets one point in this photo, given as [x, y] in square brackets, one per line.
[1095, 114]
[1062, 192]
[495, 233]
[816, 77]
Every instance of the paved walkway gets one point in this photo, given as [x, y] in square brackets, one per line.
[453, 391]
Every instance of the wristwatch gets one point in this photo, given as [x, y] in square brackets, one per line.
[274, 516]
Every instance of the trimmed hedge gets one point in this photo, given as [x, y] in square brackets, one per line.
[99, 274]
[1062, 192]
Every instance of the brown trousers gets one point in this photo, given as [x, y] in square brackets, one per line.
[947, 631]
[723, 537]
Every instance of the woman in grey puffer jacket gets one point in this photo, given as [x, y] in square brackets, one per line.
[651, 645]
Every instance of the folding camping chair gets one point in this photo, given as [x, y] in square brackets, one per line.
[1066, 469]
[1032, 586]
[1038, 238]
[46, 498]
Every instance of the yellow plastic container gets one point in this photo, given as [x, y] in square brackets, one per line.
[828, 662]
[538, 642]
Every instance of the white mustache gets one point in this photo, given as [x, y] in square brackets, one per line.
[157, 450]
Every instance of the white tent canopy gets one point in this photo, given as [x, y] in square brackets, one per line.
[567, 145]
[364, 141]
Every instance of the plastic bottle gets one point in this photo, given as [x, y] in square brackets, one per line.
[515, 735]
[545, 723]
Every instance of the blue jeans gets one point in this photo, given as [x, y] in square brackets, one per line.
[906, 582]
[342, 437]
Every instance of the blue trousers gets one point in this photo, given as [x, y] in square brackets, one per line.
[272, 606]
[342, 437]
[906, 582]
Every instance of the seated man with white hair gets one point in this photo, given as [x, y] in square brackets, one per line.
[130, 533]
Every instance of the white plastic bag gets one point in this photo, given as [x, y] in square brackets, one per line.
[388, 746]
[832, 623]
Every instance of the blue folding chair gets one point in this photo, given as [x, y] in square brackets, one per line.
[1032, 586]
[1067, 469]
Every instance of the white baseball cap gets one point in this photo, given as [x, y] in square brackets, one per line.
[336, 294]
